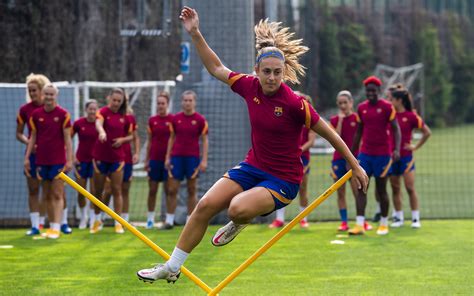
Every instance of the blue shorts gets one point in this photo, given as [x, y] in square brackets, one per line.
[127, 172]
[306, 167]
[32, 172]
[107, 168]
[339, 168]
[84, 170]
[157, 171]
[377, 166]
[404, 165]
[184, 166]
[248, 177]
[49, 172]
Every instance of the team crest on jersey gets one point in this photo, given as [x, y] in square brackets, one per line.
[122, 120]
[193, 122]
[256, 100]
[278, 111]
[379, 110]
[404, 119]
[353, 124]
[179, 121]
[41, 119]
[365, 111]
[56, 119]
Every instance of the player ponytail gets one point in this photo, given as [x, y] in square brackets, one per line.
[272, 40]
[405, 97]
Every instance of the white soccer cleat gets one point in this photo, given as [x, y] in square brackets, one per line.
[227, 233]
[416, 224]
[83, 223]
[159, 272]
[396, 223]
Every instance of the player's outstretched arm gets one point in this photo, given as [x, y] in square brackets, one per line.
[211, 61]
[358, 173]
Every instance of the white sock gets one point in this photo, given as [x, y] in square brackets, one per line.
[151, 217]
[383, 221]
[54, 226]
[399, 215]
[42, 220]
[91, 217]
[98, 217]
[177, 259]
[301, 210]
[377, 208]
[125, 216]
[83, 213]
[34, 217]
[280, 214]
[169, 219]
[360, 220]
[64, 220]
[415, 215]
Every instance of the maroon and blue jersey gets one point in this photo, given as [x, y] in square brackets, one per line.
[187, 129]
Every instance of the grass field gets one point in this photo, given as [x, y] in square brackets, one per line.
[444, 178]
[434, 260]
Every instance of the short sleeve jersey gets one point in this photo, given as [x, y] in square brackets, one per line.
[187, 130]
[24, 114]
[49, 127]
[127, 148]
[115, 126]
[276, 122]
[159, 129]
[375, 117]
[348, 130]
[408, 121]
[87, 134]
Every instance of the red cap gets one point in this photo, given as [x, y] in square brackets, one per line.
[372, 79]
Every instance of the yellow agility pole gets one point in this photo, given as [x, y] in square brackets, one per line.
[132, 229]
[281, 233]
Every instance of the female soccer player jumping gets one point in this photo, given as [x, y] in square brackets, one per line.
[269, 177]
[408, 121]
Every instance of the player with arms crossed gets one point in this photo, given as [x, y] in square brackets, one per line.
[269, 177]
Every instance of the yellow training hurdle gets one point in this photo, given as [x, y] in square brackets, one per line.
[239, 269]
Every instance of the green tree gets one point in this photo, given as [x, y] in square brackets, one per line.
[438, 88]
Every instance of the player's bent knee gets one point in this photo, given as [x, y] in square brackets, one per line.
[238, 214]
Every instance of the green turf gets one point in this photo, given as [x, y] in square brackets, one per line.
[444, 178]
[436, 259]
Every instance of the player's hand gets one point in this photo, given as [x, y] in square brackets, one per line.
[410, 147]
[168, 163]
[27, 165]
[135, 158]
[117, 142]
[360, 178]
[190, 19]
[102, 137]
[68, 166]
[203, 166]
[396, 155]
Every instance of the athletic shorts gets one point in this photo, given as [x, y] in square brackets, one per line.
[404, 165]
[84, 170]
[377, 166]
[157, 171]
[127, 172]
[339, 168]
[107, 168]
[248, 177]
[184, 166]
[32, 172]
[306, 167]
[49, 172]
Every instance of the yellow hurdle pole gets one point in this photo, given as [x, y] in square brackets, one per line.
[132, 229]
[281, 233]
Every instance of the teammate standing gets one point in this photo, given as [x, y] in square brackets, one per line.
[375, 155]
[158, 137]
[35, 84]
[182, 155]
[51, 135]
